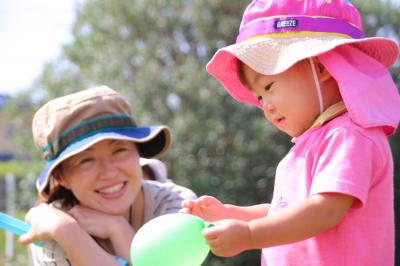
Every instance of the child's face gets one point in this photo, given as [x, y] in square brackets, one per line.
[106, 177]
[289, 99]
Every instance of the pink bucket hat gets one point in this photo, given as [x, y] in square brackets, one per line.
[275, 34]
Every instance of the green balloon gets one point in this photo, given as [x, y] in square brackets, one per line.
[170, 240]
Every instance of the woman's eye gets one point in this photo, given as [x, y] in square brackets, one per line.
[85, 161]
[120, 150]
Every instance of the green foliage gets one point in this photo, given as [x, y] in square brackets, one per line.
[154, 52]
[21, 168]
[383, 20]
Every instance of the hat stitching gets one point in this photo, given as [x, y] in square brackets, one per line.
[297, 34]
[43, 149]
[293, 23]
[83, 128]
[91, 133]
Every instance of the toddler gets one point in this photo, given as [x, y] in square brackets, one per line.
[307, 65]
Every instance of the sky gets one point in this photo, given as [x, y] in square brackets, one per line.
[31, 33]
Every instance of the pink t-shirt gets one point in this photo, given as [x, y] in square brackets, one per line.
[344, 158]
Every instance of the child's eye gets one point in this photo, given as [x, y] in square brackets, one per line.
[260, 99]
[268, 87]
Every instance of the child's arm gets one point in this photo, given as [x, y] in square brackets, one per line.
[305, 219]
[298, 222]
[211, 209]
[246, 213]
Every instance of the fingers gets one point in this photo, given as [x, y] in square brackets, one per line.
[202, 201]
[211, 232]
[79, 213]
[26, 239]
[185, 210]
[205, 201]
[212, 236]
[186, 204]
[74, 212]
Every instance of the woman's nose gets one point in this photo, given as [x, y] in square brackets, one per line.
[108, 168]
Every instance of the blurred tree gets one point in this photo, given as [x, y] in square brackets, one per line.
[381, 19]
[154, 52]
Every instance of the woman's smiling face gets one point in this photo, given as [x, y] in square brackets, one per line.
[289, 99]
[105, 177]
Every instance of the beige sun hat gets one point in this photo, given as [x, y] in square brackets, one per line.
[275, 34]
[158, 167]
[68, 125]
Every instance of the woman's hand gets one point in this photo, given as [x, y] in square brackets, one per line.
[50, 223]
[206, 207]
[46, 222]
[104, 226]
[98, 224]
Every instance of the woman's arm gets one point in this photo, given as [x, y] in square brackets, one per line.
[104, 226]
[81, 248]
[50, 223]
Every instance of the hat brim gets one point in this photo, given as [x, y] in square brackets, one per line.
[270, 56]
[152, 142]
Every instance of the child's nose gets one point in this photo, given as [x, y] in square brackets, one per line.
[268, 107]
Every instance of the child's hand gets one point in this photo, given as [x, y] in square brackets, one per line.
[45, 221]
[228, 237]
[206, 207]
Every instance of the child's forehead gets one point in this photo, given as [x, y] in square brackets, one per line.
[250, 76]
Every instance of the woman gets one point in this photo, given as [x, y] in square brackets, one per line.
[92, 194]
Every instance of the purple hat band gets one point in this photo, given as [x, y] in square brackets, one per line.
[297, 24]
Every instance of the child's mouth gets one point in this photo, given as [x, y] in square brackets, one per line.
[279, 120]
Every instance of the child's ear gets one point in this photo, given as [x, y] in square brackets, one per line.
[323, 73]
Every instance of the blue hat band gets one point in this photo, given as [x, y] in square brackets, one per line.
[84, 129]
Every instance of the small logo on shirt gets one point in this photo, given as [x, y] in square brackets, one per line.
[281, 204]
[286, 23]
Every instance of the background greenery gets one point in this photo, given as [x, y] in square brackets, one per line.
[154, 52]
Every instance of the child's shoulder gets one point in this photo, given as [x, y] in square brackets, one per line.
[345, 125]
[342, 130]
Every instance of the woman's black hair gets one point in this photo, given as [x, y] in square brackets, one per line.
[59, 193]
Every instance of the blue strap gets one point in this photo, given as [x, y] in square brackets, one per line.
[121, 261]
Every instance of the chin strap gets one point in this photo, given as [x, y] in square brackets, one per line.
[330, 113]
[318, 87]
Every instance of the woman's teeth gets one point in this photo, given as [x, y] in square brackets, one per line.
[112, 189]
